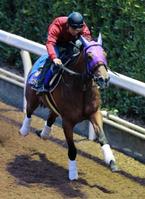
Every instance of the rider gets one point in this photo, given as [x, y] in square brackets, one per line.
[60, 32]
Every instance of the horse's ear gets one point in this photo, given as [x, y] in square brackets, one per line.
[84, 41]
[100, 39]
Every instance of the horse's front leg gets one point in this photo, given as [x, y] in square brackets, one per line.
[72, 152]
[97, 122]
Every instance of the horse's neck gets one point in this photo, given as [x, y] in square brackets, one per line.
[77, 81]
[80, 65]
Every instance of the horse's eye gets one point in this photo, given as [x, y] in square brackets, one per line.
[90, 56]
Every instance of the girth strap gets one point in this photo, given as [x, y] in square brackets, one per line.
[51, 103]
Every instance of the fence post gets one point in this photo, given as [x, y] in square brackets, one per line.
[27, 64]
[91, 133]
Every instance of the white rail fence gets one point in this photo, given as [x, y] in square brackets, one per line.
[26, 46]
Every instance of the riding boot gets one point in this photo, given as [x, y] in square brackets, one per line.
[47, 78]
[43, 84]
[49, 75]
[39, 84]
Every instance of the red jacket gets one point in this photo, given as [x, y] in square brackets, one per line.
[58, 34]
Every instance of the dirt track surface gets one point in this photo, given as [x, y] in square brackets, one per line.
[33, 168]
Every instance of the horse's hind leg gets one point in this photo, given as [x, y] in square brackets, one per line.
[32, 104]
[72, 152]
[44, 134]
[109, 158]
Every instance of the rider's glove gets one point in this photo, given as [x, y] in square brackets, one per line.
[57, 61]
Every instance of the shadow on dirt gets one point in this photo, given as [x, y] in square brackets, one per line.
[28, 171]
[37, 169]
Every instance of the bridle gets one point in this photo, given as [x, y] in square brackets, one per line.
[87, 74]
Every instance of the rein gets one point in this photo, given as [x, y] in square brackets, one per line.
[71, 72]
[62, 66]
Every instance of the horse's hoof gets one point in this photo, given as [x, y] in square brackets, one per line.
[113, 166]
[24, 131]
[73, 179]
[38, 133]
[73, 176]
[45, 134]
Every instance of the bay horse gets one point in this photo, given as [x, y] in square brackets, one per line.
[75, 98]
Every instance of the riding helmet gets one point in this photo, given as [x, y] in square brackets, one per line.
[75, 20]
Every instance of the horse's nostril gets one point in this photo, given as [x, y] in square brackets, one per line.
[100, 79]
[107, 80]
[102, 82]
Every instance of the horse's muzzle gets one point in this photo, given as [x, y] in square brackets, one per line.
[101, 82]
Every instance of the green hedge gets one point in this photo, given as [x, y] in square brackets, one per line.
[122, 23]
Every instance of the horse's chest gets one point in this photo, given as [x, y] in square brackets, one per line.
[91, 108]
[92, 103]
[85, 105]
[79, 105]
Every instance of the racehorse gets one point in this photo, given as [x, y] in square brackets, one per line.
[75, 98]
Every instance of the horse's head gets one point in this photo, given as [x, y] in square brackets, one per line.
[96, 61]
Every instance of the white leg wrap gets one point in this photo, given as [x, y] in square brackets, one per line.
[107, 152]
[73, 173]
[45, 132]
[25, 129]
